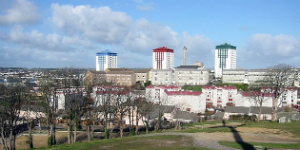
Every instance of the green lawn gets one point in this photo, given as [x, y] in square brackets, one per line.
[197, 127]
[261, 145]
[167, 142]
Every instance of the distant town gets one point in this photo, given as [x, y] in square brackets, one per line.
[163, 96]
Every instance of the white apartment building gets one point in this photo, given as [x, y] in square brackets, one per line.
[108, 94]
[180, 76]
[155, 94]
[190, 75]
[189, 101]
[106, 59]
[251, 76]
[243, 76]
[288, 98]
[161, 76]
[163, 58]
[225, 58]
[219, 97]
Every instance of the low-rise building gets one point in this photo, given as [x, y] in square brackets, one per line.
[219, 97]
[190, 75]
[182, 75]
[156, 94]
[189, 101]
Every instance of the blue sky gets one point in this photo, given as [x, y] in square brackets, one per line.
[68, 33]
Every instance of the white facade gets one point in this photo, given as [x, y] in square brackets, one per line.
[243, 76]
[163, 58]
[106, 60]
[162, 77]
[287, 99]
[190, 75]
[156, 94]
[103, 93]
[186, 101]
[247, 99]
[59, 101]
[225, 58]
[251, 76]
[179, 76]
[219, 97]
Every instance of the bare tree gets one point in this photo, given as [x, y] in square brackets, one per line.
[279, 78]
[10, 105]
[122, 108]
[258, 96]
[105, 105]
[49, 103]
[145, 107]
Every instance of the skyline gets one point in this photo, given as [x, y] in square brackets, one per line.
[68, 33]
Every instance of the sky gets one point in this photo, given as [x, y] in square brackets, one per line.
[69, 33]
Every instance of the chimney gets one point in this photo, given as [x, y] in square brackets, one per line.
[184, 55]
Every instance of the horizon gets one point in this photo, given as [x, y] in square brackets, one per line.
[58, 34]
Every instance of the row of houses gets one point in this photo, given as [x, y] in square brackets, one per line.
[214, 97]
[181, 75]
[117, 76]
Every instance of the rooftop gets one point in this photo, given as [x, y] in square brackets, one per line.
[106, 52]
[163, 49]
[183, 93]
[225, 46]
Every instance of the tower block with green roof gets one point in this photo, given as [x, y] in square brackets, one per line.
[225, 58]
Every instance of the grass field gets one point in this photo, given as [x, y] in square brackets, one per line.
[134, 143]
[262, 145]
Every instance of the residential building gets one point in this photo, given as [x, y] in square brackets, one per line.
[94, 78]
[163, 58]
[225, 58]
[106, 59]
[66, 97]
[287, 99]
[161, 76]
[266, 112]
[252, 76]
[219, 97]
[108, 95]
[155, 94]
[243, 76]
[190, 75]
[113, 76]
[120, 76]
[142, 75]
[189, 101]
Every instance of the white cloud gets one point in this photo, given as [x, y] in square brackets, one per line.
[267, 50]
[267, 44]
[21, 11]
[37, 40]
[146, 36]
[100, 24]
[27, 57]
[88, 28]
[198, 45]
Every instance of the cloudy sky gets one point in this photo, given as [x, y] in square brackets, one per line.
[68, 33]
